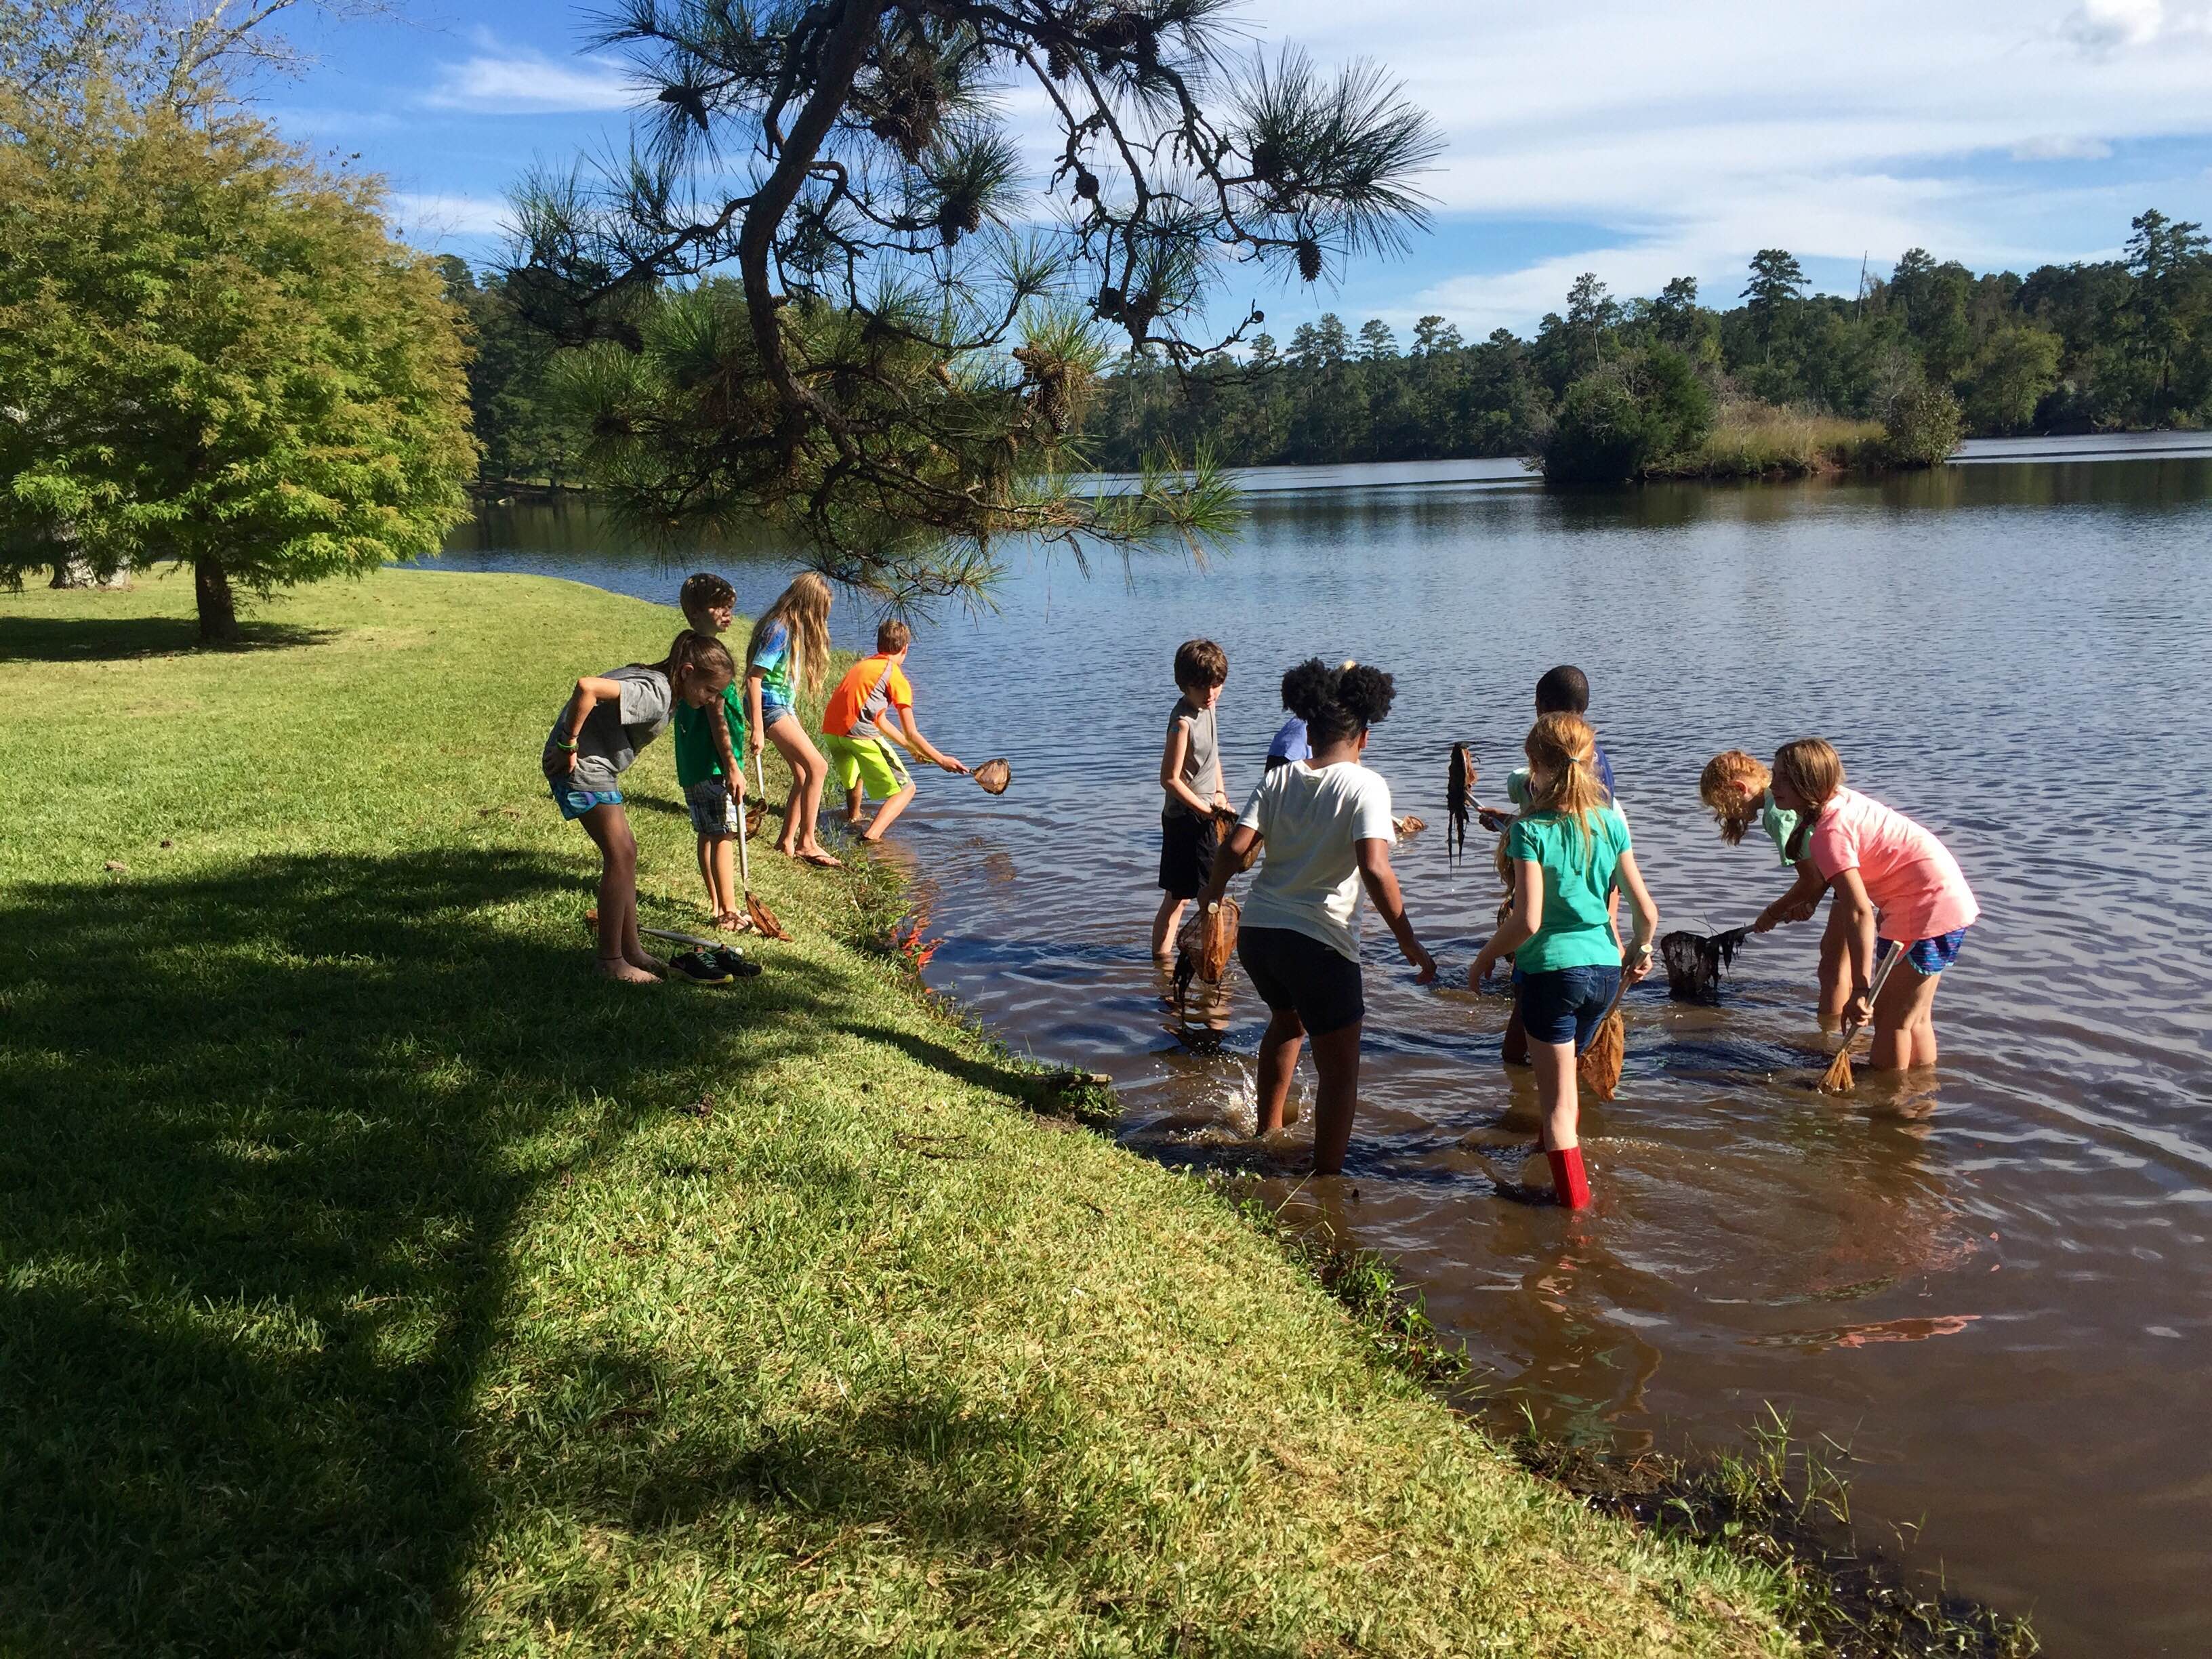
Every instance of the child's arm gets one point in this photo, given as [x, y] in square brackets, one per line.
[1381, 883]
[1635, 961]
[918, 744]
[1519, 926]
[591, 690]
[1858, 921]
[733, 773]
[1227, 861]
[1797, 904]
[1171, 773]
[752, 711]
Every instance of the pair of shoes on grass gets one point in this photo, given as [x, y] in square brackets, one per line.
[719, 966]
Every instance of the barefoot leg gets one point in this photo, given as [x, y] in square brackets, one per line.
[609, 828]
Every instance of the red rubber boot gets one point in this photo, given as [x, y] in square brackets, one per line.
[1568, 1180]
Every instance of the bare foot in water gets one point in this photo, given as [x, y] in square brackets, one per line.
[617, 968]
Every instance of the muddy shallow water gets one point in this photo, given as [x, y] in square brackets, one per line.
[1991, 1284]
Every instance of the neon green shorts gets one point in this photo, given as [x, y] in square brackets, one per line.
[869, 762]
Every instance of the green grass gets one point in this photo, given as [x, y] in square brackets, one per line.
[375, 1281]
[1752, 439]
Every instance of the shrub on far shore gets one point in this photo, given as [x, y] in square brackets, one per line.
[1925, 424]
[1621, 419]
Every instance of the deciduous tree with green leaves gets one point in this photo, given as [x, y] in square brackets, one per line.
[212, 354]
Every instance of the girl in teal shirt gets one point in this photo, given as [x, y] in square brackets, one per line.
[1569, 852]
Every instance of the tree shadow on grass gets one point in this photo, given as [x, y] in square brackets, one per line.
[107, 639]
[268, 1133]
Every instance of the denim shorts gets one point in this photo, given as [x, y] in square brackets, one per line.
[1929, 957]
[1566, 1004]
[575, 803]
[711, 812]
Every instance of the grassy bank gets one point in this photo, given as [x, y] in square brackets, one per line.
[1752, 439]
[373, 1279]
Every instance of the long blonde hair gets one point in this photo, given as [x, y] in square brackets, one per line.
[804, 609]
[1733, 787]
[1564, 746]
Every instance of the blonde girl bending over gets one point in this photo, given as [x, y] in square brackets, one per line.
[789, 656]
[1570, 852]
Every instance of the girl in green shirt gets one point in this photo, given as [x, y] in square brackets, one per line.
[1569, 853]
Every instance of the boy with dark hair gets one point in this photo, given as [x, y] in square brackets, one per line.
[857, 739]
[1191, 777]
[1561, 690]
[709, 605]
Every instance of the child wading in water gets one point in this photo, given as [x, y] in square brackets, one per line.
[607, 719]
[1564, 690]
[1190, 773]
[1896, 887]
[714, 784]
[858, 732]
[788, 654]
[1570, 853]
[1739, 791]
[1324, 826]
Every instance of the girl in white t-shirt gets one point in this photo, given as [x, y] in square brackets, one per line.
[1324, 826]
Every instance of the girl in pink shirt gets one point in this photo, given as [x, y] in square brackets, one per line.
[1896, 888]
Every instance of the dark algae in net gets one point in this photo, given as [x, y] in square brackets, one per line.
[1694, 962]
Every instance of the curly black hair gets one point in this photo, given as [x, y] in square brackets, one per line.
[1337, 704]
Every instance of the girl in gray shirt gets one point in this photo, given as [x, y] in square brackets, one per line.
[606, 721]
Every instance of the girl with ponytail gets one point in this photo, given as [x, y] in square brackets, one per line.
[786, 658]
[1324, 824]
[1569, 853]
[606, 720]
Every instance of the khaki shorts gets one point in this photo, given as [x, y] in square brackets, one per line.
[869, 762]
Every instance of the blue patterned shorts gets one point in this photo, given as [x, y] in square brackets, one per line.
[1929, 956]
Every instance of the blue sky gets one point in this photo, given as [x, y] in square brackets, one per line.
[1641, 139]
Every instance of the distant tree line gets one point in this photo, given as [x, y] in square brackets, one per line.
[2124, 343]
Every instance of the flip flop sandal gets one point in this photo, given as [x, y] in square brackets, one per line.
[820, 860]
[698, 965]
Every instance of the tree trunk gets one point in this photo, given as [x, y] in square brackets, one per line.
[218, 614]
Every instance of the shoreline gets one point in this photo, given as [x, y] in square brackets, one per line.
[716, 1143]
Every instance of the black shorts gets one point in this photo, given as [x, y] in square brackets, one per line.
[1186, 846]
[1296, 974]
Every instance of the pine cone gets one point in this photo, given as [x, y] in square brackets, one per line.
[1309, 258]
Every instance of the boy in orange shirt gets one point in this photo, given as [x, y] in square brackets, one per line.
[857, 738]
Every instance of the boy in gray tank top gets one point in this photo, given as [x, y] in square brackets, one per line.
[1191, 780]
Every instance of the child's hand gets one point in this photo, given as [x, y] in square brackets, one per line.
[1859, 1009]
[952, 765]
[1635, 969]
[1424, 963]
[1493, 820]
[1480, 970]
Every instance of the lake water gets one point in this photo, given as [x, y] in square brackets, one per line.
[1991, 1284]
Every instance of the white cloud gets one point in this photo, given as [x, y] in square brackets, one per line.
[425, 219]
[497, 82]
[2103, 25]
[2055, 147]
